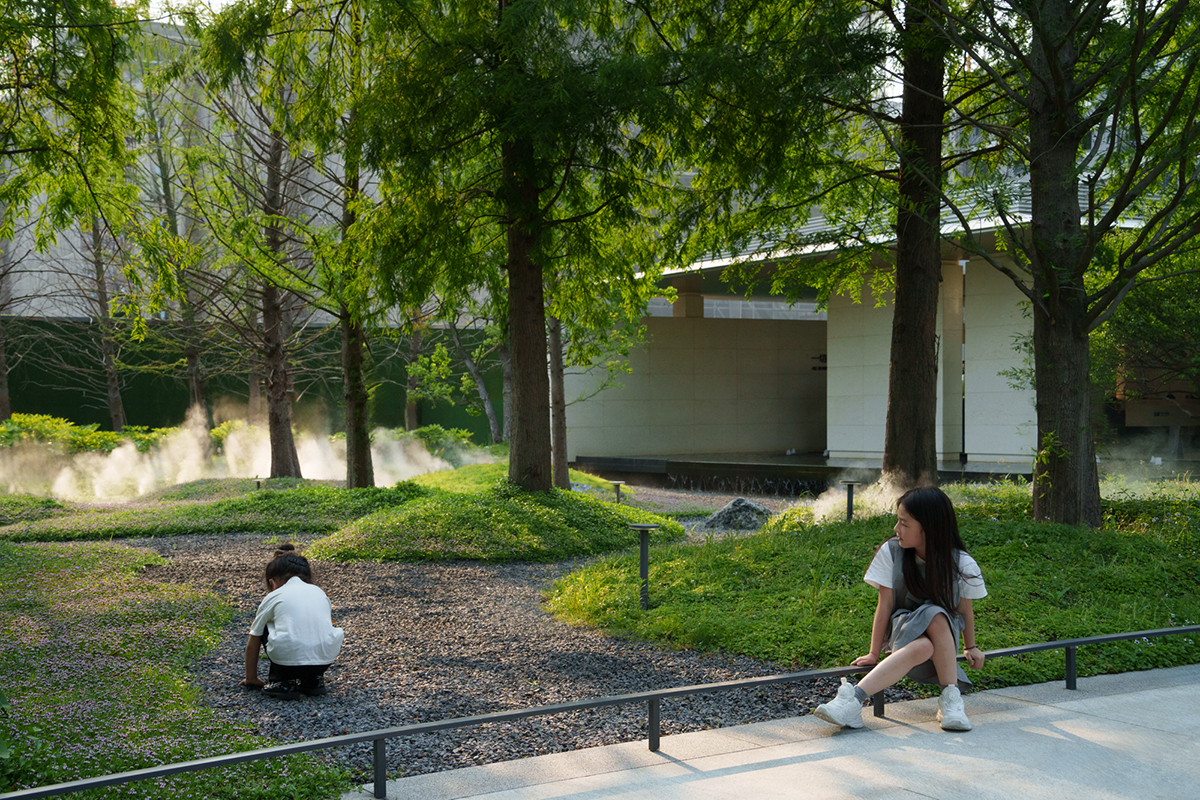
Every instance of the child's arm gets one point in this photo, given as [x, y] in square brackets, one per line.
[252, 647]
[879, 627]
[974, 655]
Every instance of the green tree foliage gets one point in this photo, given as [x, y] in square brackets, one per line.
[508, 133]
[1091, 111]
[1150, 348]
[60, 67]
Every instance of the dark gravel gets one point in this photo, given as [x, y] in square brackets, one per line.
[435, 641]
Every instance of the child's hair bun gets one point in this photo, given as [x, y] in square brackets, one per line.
[284, 549]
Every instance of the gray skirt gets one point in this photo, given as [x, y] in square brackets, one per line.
[908, 626]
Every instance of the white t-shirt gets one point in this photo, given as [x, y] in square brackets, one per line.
[301, 623]
[970, 585]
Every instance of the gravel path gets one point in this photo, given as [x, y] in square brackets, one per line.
[434, 641]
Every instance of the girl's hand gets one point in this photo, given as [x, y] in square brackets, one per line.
[252, 683]
[975, 657]
[865, 661]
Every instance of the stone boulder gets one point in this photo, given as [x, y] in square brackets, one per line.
[738, 515]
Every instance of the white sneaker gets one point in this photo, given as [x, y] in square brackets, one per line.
[844, 710]
[951, 713]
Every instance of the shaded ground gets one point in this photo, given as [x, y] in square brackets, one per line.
[435, 641]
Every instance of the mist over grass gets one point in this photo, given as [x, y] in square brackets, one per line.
[52, 457]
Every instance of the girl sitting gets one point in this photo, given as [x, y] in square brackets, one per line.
[294, 622]
[926, 583]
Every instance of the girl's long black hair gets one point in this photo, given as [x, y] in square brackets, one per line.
[287, 564]
[931, 507]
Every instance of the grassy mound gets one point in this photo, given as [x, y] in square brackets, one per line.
[793, 593]
[95, 664]
[482, 477]
[501, 523]
[28, 508]
[304, 509]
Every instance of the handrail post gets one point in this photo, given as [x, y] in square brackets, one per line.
[877, 703]
[655, 722]
[1071, 666]
[380, 768]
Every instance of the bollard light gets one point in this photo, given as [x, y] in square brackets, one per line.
[617, 486]
[643, 529]
[850, 498]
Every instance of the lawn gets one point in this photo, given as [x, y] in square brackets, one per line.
[94, 664]
[793, 593]
[94, 655]
[89, 695]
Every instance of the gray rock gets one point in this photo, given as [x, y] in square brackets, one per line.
[738, 515]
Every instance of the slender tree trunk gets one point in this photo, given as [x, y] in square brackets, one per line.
[411, 420]
[507, 391]
[284, 460]
[5, 398]
[256, 412]
[529, 452]
[360, 472]
[108, 346]
[1066, 486]
[485, 399]
[191, 330]
[910, 433]
[558, 405]
[197, 397]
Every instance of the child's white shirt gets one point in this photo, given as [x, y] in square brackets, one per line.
[970, 584]
[301, 622]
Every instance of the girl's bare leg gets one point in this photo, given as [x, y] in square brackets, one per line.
[895, 666]
[945, 650]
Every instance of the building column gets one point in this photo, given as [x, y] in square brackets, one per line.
[689, 302]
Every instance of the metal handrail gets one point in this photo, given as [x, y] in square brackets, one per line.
[652, 698]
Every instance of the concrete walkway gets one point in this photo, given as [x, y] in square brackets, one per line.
[1116, 737]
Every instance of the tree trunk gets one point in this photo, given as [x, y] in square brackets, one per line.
[529, 451]
[197, 397]
[359, 470]
[256, 409]
[558, 405]
[506, 392]
[108, 345]
[485, 399]
[284, 461]
[411, 420]
[910, 434]
[1066, 484]
[5, 397]
[191, 330]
